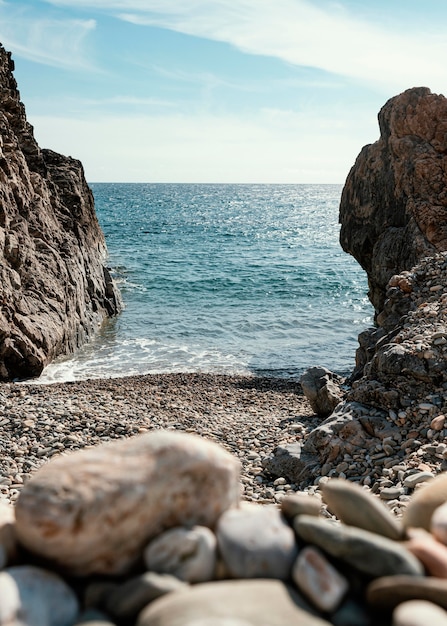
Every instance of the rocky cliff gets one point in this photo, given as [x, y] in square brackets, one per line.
[394, 204]
[390, 428]
[54, 287]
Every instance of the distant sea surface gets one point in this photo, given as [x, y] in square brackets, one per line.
[224, 279]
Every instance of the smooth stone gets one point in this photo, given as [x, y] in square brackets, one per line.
[318, 580]
[438, 523]
[256, 542]
[31, 596]
[437, 422]
[367, 552]
[232, 603]
[94, 511]
[419, 613]
[424, 502]
[187, 553]
[300, 504]
[415, 479]
[431, 553]
[389, 591]
[391, 493]
[357, 507]
[8, 542]
[125, 602]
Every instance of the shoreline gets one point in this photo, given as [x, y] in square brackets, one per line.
[248, 415]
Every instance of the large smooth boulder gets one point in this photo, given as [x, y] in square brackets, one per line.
[95, 510]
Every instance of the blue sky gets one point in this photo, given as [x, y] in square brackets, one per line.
[275, 91]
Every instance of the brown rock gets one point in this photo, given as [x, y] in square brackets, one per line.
[431, 553]
[321, 388]
[393, 207]
[389, 591]
[95, 510]
[54, 287]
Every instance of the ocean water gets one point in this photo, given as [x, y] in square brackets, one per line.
[225, 279]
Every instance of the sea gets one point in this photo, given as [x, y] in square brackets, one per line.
[223, 278]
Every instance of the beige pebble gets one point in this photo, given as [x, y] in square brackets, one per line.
[419, 613]
[438, 523]
[316, 578]
[431, 553]
[300, 504]
[437, 422]
[424, 502]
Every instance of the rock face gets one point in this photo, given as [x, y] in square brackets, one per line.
[54, 287]
[393, 208]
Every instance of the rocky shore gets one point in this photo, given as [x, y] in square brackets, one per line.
[193, 499]
[248, 416]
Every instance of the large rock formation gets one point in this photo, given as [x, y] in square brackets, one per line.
[394, 221]
[394, 204]
[54, 287]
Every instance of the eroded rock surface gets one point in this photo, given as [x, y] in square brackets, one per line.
[54, 287]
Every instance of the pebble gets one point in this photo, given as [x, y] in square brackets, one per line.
[314, 576]
[438, 523]
[388, 592]
[300, 504]
[424, 502]
[31, 596]
[356, 507]
[415, 479]
[256, 542]
[187, 553]
[431, 553]
[419, 613]
[365, 551]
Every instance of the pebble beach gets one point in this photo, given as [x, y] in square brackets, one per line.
[248, 416]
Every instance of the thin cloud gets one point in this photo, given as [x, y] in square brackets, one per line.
[331, 39]
[55, 42]
[273, 146]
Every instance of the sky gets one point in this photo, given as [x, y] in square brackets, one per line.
[232, 91]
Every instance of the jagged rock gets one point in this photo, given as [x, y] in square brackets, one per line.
[321, 387]
[290, 461]
[54, 287]
[94, 511]
[394, 204]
